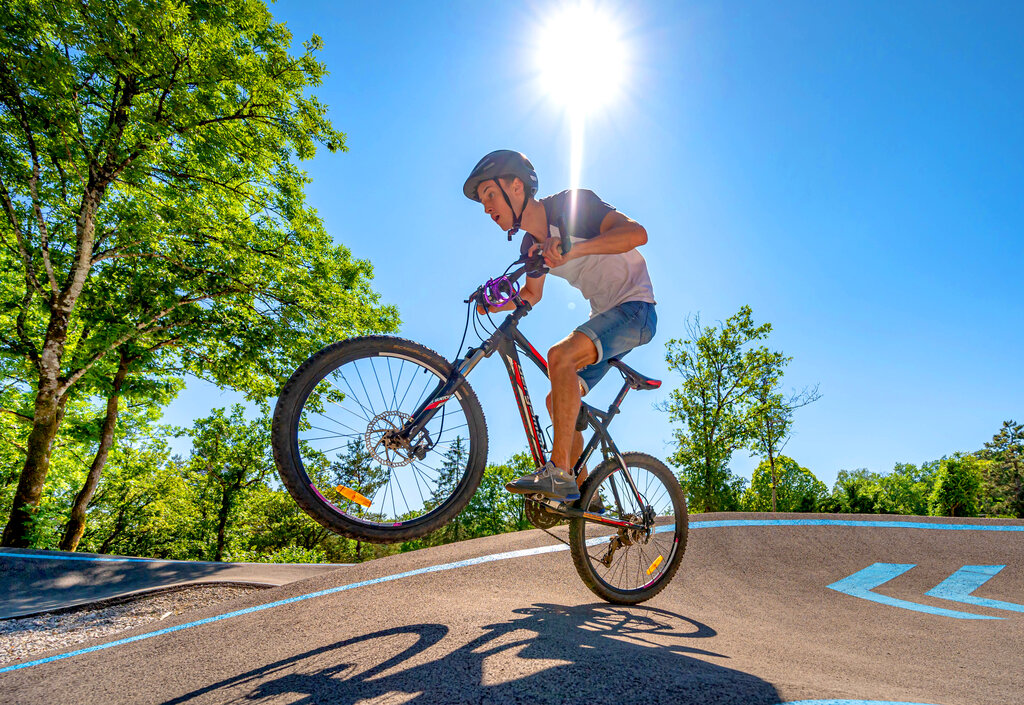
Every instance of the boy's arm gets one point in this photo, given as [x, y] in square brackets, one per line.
[619, 233]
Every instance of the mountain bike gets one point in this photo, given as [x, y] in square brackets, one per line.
[381, 439]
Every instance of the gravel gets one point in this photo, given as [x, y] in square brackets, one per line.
[25, 637]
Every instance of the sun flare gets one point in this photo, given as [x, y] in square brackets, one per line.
[581, 57]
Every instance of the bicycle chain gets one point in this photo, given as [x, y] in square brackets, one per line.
[559, 538]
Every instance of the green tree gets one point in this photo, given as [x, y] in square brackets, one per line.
[149, 395]
[150, 193]
[771, 415]
[449, 474]
[1004, 476]
[271, 528]
[786, 488]
[855, 492]
[230, 456]
[957, 491]
[143, 505]
[714, 405]
[493, 509]
[356, 470]
[907, 489]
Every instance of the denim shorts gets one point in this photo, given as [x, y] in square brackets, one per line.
[615, 332]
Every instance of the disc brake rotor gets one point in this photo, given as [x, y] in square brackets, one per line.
[384, 451]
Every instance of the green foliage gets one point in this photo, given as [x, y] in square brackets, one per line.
[957, 491]
[905, 490]
[714, 404]
[230, 457]
[288, 554]
[1003, 477]
[493, 509]
[796, 488]
[152, 206]
[144, 506]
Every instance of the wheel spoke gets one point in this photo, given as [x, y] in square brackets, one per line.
[369, 412]
[359, 374]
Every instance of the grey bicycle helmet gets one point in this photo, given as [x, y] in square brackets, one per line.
[503, 163]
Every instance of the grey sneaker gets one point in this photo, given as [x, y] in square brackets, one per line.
[550, 481]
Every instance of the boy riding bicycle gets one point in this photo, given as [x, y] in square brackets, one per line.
[599, 257]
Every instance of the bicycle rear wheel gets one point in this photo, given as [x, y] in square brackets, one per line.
[328, 438]
[626, 566]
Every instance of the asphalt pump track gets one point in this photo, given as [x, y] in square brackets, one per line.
[766, 608]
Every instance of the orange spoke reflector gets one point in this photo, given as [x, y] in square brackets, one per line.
[657, 562]
[348, 493]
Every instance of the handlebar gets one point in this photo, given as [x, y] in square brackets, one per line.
[531, 265]
[504, 287]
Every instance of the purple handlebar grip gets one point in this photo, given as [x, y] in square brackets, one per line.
[493, 291]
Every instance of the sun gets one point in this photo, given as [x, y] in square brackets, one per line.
[581, 57]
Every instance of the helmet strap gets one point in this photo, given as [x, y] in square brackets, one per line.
[517, 220]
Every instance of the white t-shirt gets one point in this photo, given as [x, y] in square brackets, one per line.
[604, 280]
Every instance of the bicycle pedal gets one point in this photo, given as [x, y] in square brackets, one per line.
[547, 502]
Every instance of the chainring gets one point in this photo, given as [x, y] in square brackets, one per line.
[540, 516]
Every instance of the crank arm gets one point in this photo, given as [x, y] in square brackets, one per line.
[563, 509]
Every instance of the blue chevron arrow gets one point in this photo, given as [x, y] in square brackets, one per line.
[861, 584]
[959, 586]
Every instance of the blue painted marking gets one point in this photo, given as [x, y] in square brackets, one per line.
[505, 556]
[862, 582]
[123, 559]
[841, 522]
[105, 559]
[849, 702]
[959, 586]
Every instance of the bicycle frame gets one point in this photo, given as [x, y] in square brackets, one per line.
[507, 340]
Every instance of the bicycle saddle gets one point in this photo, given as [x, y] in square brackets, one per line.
[635, 379]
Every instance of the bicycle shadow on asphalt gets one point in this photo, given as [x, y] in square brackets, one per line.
[597, 653]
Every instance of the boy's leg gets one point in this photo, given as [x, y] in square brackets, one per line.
[554, 480]
[577, 447]
[564, 360]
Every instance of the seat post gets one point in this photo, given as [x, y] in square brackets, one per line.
[614, 408]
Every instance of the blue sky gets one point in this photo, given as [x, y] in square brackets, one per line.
[854, 171]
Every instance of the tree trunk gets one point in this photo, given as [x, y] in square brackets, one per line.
[222, 524]
[118, 528]
[50, 396]
[76, 524]
[49, 410]
[775, 479]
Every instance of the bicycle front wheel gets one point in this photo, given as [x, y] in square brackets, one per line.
[329, 432]
[628, 566]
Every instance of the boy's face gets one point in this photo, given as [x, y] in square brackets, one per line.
[494, 204]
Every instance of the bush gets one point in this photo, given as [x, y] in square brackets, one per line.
[288, 554]
[957, 490]
[796, 490]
